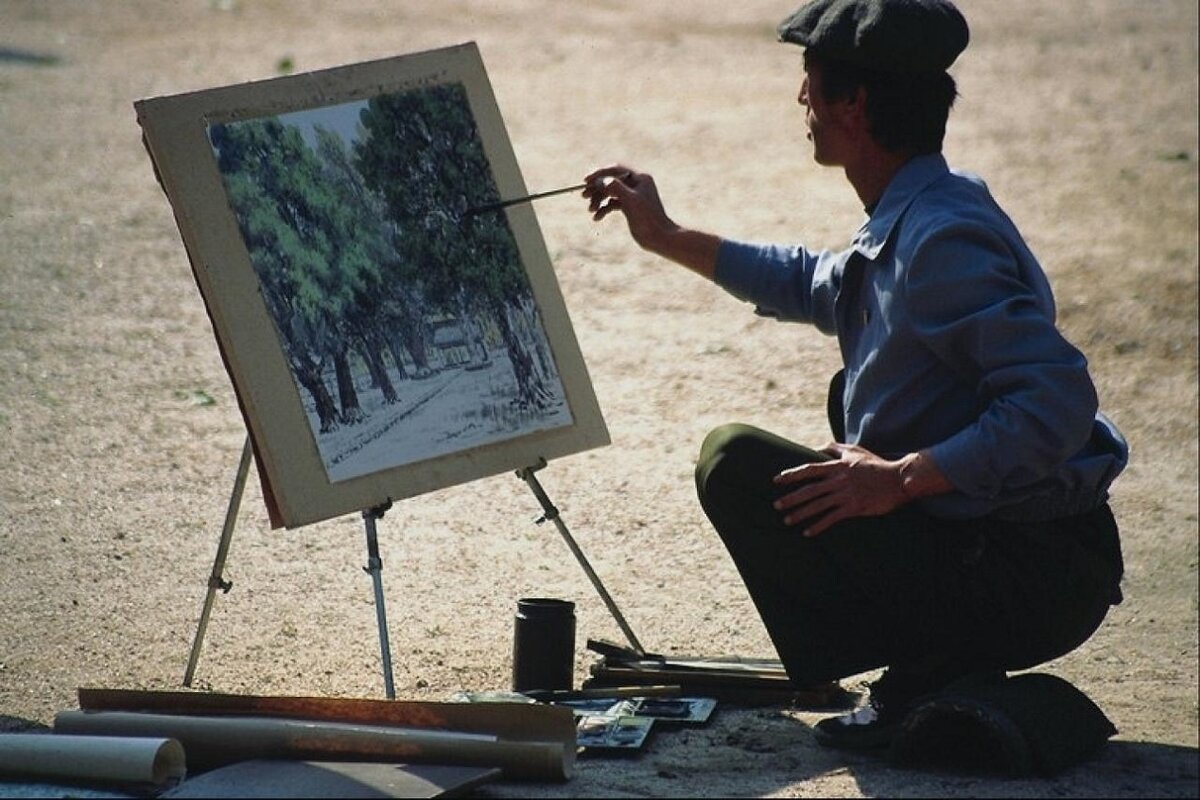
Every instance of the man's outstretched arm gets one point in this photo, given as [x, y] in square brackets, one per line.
[635, 195]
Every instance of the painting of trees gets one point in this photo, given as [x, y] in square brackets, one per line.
[388, 330]
[362, 241]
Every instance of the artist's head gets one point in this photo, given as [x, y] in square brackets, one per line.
[881, 64]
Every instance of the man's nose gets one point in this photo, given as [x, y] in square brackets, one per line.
[802, 98]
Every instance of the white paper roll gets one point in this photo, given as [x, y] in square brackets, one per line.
[215, 741]
[157, 761]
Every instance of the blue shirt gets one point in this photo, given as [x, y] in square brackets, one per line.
[946, 325]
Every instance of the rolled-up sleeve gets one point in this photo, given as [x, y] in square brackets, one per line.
[992, 322]
[788, 283]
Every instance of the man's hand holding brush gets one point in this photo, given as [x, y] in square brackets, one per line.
[635, 195]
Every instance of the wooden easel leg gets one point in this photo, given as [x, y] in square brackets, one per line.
[216, 580]
[374, 568]
[550, 513]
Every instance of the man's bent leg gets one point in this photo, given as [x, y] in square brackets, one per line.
[903, 590]
[855, 598]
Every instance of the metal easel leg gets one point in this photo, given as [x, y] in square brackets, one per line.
[374, 568]
[216, 579]
[549, 512]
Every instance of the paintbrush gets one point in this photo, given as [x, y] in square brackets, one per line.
[506, 203]
[603, 692]
[514, 201]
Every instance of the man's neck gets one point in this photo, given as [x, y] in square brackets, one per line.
[872, 172]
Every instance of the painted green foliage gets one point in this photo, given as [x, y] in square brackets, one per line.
[424, 157]
[422, 154]
[322, 250]
[286, 214]
[355, 246]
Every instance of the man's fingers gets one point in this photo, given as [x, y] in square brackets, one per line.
[598, 179]
[823, 524]
[805, 472]
[805, 495]
[603, 208]
[817, 507]
[605, 195]
[606, 172]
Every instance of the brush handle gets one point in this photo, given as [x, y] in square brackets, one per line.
[525, 199]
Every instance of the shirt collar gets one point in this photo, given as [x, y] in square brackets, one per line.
[906, 184]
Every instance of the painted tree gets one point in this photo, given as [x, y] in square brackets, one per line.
[423, 155]
[305, 247]
[363, 251]
[251, 157]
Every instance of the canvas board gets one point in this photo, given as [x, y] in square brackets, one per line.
[382, 339]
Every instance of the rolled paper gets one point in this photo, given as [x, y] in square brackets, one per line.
[135, 760]
[216, 741]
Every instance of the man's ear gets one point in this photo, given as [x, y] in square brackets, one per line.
[854, 111]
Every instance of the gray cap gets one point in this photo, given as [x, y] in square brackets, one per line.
[888, 35]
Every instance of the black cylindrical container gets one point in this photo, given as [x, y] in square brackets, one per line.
[543, 644]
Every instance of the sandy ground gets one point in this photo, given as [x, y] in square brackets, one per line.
[114, 480]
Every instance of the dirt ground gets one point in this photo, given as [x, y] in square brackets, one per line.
[120, 434]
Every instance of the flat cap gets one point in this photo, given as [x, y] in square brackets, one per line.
[910, 36]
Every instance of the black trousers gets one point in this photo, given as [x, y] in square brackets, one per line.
[904, 590]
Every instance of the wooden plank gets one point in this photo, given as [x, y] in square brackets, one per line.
[514, 721]
[736, 686]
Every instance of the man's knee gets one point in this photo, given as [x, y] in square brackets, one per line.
[722, 448]
[746, 457]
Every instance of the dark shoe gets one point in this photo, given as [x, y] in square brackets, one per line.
[877, 723]
[867, 728]
[1029, 724]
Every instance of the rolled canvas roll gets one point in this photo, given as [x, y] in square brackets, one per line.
[143, 760]
[214, 741]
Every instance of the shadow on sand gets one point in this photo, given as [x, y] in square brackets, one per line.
[13, 55]
[1120, 769]
[21, 725]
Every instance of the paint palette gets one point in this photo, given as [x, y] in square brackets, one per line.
[613, 733]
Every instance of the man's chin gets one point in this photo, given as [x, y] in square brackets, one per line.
[817, 155]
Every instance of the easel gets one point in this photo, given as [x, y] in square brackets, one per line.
[374, 566]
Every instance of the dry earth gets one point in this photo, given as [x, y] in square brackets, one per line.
[114, 478]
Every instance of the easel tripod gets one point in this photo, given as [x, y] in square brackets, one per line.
[375, 566]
